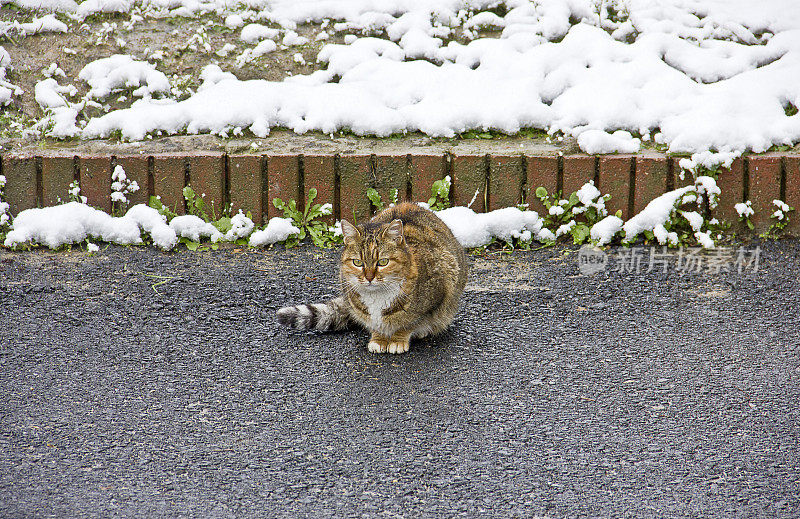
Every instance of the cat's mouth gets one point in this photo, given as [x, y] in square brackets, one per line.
[372, 285]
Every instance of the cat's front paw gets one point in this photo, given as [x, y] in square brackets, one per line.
[377, 346]
[399, 342]
[398, 346]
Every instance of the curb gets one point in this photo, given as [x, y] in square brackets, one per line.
[250, 181]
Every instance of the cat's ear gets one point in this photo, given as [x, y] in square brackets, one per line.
[394, 231]
[349, 231]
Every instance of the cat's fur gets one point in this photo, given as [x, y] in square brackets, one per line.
[413, 295]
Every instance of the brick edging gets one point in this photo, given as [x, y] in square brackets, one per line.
[251, 181]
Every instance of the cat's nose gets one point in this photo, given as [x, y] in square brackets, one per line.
[369, 274]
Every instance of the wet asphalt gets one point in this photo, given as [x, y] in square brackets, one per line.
[137, 383]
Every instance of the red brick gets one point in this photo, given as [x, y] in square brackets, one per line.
[505, 180]
[731, 183]
[58, 172]
[246, 185]
[20, 190]
[677, 171]
[578, 170]
[319, 173]
[791, 166]
[425, 170]
[652, 178]
[135, 167]
[391, 172]
[207, 178]
[169, 177]
[95, 174]
[614, 178]
[283, 181]
[765, 186]
[469, 177]
[354, 179]
[542, 172]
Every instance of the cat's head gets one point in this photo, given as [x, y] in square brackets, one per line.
[375, 254]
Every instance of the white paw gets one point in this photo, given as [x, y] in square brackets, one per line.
[398, 347]
[374, 347]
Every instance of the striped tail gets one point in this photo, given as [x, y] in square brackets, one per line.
[332, 315]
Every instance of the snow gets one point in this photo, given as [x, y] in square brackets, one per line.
[7, 90]
[120, 71]
[4, 207]
[47, 23]
[659, 211]
[193, 228]
[706, 77]
[255, 32]
[233, 21]
[74, 222]
[782, 209]
[90, 7]
[704, 239]
[604, 231]
[656, 213]
[278, 229]
[121, 186]
[154, 223]
[292, 38]
[744, 209]
[241, 227]
[473, 229]
[694, 218]
[600, 142]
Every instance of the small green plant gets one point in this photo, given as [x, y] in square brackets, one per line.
[440, 194]
[5, 217]
[745, 210]
[781, 217]
[121, 187]
[576, 214]
[75, 193]
[308, 221]
[375, 198]
[156, 203]
[196, 205]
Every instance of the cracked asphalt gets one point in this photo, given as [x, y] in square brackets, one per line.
[137, 383]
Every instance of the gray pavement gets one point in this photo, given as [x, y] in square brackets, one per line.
[553, 394]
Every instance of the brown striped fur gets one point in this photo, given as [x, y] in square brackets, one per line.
[402, 274]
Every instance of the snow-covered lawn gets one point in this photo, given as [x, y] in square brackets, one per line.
[709, 77]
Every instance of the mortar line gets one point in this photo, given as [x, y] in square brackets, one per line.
[187, 180]
[151, 180]
[37, 164]
[263, 162]
[409, 187]
[487, 174]
[631, 187]
[301, 181]
[523, 191]
[745, 178]
[337, 185]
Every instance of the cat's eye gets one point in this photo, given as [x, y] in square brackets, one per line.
[358, 263]
[383, 262]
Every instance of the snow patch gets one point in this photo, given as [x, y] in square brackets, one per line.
[278, 229]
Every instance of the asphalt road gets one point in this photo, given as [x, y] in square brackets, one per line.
[554, 394]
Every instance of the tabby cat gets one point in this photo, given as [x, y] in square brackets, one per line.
[402, 274]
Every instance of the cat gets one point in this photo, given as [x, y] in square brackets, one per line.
[402, 274]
